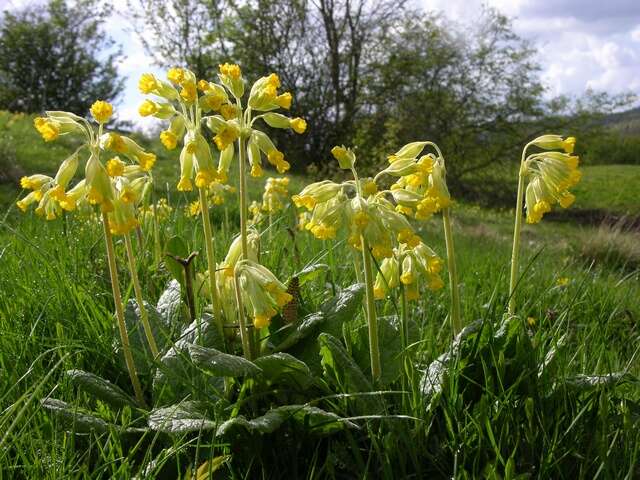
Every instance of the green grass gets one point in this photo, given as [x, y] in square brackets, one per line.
[499, 413]
[611, 188]
[55, 314]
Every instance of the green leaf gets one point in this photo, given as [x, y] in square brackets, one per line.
[329, 318]
[181, 418]
[285, 368]
[340, 366]
[177, 247]
[176, 377]
[170, 303]
[390, 353]
[586, 383]
[222, 364]
[314, 420]
[75, 419]
[310, 272]
[100, 388]
[440, 368]
[142, 355]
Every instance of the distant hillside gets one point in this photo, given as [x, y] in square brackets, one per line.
[627, 122]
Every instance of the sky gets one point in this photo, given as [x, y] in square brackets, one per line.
[582, 44]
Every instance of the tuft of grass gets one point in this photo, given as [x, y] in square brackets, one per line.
[616, 246]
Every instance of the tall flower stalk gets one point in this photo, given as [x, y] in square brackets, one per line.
[374, 229]
[144, 315]
[219, 106]
[117, 300]
[115, 187]
[420, 191]
[550, 175]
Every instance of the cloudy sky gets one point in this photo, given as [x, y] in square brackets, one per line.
[583, 44]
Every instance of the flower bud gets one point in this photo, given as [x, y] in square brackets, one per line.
[345, 156]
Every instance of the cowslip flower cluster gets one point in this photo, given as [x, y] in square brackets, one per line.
[359, 207]
[274, 199]
[262, 293]
[216, 194]
[551, 174]
[161, 211]
[420, 189]
[412, 265]
[116, 186]
[188, 104]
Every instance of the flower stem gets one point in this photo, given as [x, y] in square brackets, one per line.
[456, 321]
[372, 321]
[242, 190]
[138, 292]
[211, 258]
[515, 253]
[246, 347]
[117, 300]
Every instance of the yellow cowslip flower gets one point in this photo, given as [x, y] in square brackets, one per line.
[176, 75]
[122, 218]
[147, 108]
[168, 139]
[562, 282]
[32, 197]
[276, 158]
[550, 175]
[101, 111]
[387, 277]
[73, 196]
[185, 185]
[369, 187]
[298, 125]
[115, 167]
[345, 156]
[230, 70]
[315, 193]
[226, 136]
[49, 130]
[231, 77]
[121, 144]
[262, 292]
[229, 111]
[148, 83]
[189, 92]
[34, 182]
[194, 209]
[204, 178]
[284, 100]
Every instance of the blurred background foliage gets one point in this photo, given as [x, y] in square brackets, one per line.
[375, 74]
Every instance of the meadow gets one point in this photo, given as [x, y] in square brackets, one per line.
[551, 392]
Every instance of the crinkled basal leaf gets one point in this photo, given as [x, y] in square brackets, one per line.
[314, 420]
[222, 364]
[100, 388]
[76, 420]
[310, 272]
[142, 355]
[433, 378]
[390, 355]
[170, 303]
[176, 377]
[346, 374]
[285, 368]
[181, 418]
[330, 318]
[585, 383]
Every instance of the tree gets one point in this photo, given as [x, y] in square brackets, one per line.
[58, 59]
[182, 32]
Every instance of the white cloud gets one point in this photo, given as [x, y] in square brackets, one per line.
[582, 44]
